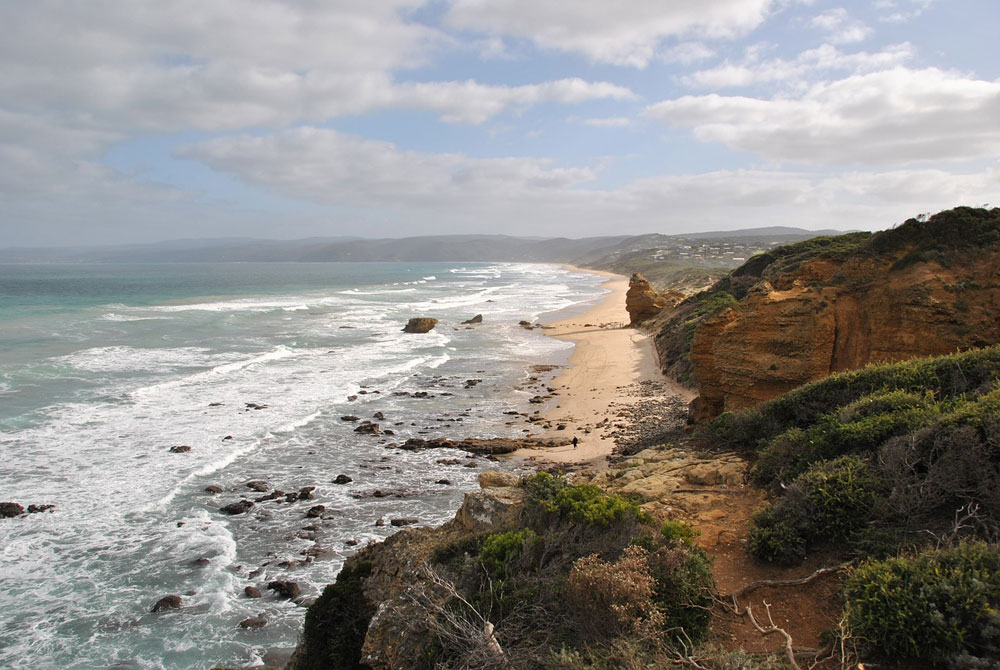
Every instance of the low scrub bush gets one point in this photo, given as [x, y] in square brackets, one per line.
[778, 537]
[831, 501]
[581, 503]
[499, 551]
[610, 599]
[936, 605]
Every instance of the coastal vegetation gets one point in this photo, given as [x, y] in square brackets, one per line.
[899, 465]
[578, 579]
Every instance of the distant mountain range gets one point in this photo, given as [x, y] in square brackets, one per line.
[469, 248]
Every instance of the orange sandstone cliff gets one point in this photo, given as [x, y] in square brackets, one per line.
[802, 312]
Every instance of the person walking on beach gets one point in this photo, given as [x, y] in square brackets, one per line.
[576, 441]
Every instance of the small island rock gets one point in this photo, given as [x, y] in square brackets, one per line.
[419, 325]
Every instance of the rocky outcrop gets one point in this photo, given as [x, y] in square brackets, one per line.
[641, 301]
[9, 510]
[373, 606]
[478, 318]
[926, 288]
[488, 446]
[420, 325]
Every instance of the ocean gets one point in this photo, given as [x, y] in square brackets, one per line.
[105, 368]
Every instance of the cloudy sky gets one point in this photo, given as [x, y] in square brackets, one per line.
[142, 120]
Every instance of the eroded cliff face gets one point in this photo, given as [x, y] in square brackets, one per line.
[828, 316]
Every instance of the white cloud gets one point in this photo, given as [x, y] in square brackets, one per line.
[608, 122]
[622, 34]
[334, 168]
[839, 27]
[168, 65]
[753, 70]
[897, 116]
[686, 53]
[901, 11]
[531, 196]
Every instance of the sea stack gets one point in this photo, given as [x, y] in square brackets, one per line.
[641, 301]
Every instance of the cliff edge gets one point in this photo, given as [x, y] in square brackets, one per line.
[804, 311]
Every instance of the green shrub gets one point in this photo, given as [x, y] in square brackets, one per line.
[499, 550]
[945, 377]
[581, 503]
[778, 537]
[831, 501]
[678, 531]
[935, 605]
[683, 589]
[841, 496]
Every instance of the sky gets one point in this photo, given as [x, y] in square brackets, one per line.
[127, 121]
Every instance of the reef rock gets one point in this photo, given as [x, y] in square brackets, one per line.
[419, 325]
[478, 318]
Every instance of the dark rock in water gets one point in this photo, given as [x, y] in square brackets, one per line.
[448, 461]
[419, 325]
[352, 398]
[253, 622]
[471, 464]
[389, 431]
[478, 318]
[443, 482]
[251, 592]
[201, 562]
[404, 521]
[167, 603]
[213, 489]
[342, 479]
[470, 383]
[9, 510]
[315, 551]
[350, 417]
[421, 394]
[227, 437]
[253, 405]
[273, 495]
[237, 507]
[488, 446]
[180, 449]
[351, 543]
[285, 589]
[291, 497]
[368, 428]
[379, 415]
[316, 511]
[35, 509]
[216, 404]
[380, 522]
[258, 485]
[306, 493]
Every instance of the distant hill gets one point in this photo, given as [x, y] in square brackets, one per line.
[469, 248]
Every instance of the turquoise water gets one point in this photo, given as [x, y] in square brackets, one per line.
[103, 368]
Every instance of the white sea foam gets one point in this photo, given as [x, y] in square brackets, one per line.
[114, 542]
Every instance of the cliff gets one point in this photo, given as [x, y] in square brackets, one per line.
[804, 311]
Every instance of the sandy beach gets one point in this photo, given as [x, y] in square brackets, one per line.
[607, 358]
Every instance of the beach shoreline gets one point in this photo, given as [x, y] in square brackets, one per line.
[609, 360]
